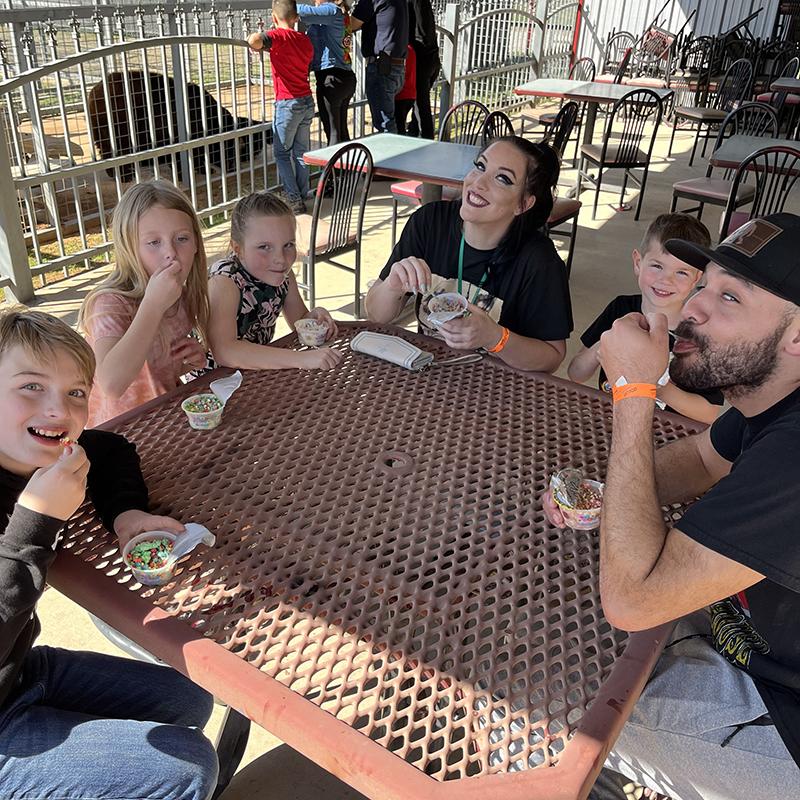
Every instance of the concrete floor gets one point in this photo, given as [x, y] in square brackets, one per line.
[601, 270]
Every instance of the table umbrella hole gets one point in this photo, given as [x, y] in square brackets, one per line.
[395, 462]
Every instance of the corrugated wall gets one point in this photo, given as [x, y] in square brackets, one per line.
[601, 17]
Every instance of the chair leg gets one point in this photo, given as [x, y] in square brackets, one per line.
[641, 193]
[700, 211]
[357, 303]
[230, 747]
[571, 251]
[394, 222]
[674, 204]
[672, 137]
[580, 175]
[694, 146]
[624, 187]
[597, 191]
[577, 144]
[304, 275]
[312, 294]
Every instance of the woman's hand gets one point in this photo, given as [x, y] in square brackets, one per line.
[410, 275]
[475, 330]
[133, 522]
[321, 358]
[164, 289]
[190, 353]
[323, 315]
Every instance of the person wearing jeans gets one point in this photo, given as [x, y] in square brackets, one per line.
[328, 25]
[424, 40]
[384, 42]
[290, 55]
[291, 139]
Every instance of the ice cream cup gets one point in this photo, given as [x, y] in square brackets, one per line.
[582, 519]
[155, 576]
[446, 306]
[311, 332]
[203, 410]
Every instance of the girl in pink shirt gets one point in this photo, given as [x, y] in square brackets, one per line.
[147, 321]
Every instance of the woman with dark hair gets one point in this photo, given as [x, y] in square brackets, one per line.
[328, 27]
[491, 248]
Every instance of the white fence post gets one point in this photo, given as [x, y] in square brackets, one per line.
[13, 252]
[449, 56]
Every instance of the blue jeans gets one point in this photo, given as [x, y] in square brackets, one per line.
[380, 90]
[85, 725]
[291, 132]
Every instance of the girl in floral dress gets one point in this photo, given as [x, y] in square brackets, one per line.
[253, 284]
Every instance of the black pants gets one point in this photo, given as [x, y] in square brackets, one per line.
[401, 109]
[335, 87]
[428, 66]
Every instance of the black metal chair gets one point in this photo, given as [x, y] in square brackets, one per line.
[774, 172]
[616, 47]
[345, 180]
[559, 132]
[626, 149]
[582, 70]
[750, 119]
[783, 101]
[732, 90]
[462, 124]
[496, 125]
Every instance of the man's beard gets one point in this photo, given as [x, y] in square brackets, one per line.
[737, 369]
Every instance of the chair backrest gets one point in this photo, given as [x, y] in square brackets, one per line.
[346, 178]
[623, 66]
[463, 123]
[583, 70]
[697, 55]
[497, 125]
[749, 119]
[561, 128]
[774, 172]
[791, 68]
[734, 87]
[616, 46]
[636, 109]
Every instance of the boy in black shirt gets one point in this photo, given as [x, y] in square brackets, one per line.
[665, 283]
[76, 724]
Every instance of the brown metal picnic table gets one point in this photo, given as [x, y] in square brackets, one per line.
[385, 594]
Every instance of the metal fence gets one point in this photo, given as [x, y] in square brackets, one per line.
[96, 98]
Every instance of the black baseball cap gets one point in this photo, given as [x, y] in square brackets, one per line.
[764, 251]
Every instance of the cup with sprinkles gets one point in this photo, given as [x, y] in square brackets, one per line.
[149, 557]
[203, 410]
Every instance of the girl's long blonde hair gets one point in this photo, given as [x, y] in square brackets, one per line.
[128, 277]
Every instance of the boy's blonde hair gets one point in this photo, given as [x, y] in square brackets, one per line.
[42, 336]
[675, 226]
[257, 204]
[129, 277]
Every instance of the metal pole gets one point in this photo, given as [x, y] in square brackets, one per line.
[13, 253]
[449, 57]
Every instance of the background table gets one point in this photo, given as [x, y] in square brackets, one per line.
[385, 594]
[591, 92]
[786, 85]
[735, 149]
[436, 164]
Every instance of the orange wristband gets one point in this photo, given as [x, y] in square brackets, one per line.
[502, 343]
[633, 390]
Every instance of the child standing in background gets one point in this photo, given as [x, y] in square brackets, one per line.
[665, 284]
[290, 55]
[255, 283]
[140, 319]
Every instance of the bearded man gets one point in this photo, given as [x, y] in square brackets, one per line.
[720, 717]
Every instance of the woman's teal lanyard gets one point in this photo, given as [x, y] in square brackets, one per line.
[461, 273]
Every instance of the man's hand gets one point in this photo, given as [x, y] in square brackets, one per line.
[475, 330]
[57, 491]
[131, 523]
[636, 347]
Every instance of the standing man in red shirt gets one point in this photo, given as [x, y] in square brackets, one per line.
[290, 54]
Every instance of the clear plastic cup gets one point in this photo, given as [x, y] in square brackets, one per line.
[311, 332]
[150, 577]
[583, 519]
[203, 410]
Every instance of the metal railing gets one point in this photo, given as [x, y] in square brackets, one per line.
[94, 110]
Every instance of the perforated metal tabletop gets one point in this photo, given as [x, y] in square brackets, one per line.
[385, 594]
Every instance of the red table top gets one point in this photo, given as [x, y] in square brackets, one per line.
[385, 594]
